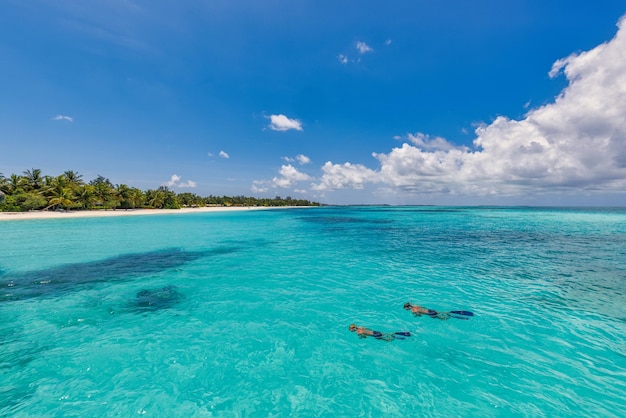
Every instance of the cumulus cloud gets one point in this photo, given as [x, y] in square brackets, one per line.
[577, 142]
[437, 143]
[63, 117]
[289, 176]
[363, 48]
[224, 155]
[341, 176]
[342, 59]
[283, 123]
[175, 181]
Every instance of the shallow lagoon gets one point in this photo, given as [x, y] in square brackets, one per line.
[255, 321]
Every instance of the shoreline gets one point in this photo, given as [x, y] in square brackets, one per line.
[16, 216]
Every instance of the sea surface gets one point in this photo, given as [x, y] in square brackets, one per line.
[246, 314]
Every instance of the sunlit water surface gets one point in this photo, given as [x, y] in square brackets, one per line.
[247, 313]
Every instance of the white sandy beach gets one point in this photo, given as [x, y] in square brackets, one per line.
[14, 216]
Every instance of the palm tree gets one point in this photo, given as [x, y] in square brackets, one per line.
[74, 178]
[86, 197]
[137, 197]
[63, 197]
[170, 201]
[122, 194]
[49, 182]
[3, 182]
[15, 183]
[156, 198]
[58, 192]
[33, 177]
[104, 192]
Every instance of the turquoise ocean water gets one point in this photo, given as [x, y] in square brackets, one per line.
[247, 313]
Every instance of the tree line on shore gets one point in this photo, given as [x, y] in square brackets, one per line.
[34, 191]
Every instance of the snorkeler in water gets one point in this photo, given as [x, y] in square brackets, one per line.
[363, 332]
[419, 310]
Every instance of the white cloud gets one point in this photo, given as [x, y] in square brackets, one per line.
[425, 142]
[303, 159]
[283, 123]
[190, 184]
[289, 176]
[576, 143]
[63, 117]
[363, 48]
[388, 42]
[300, 158]
[224, 155]
[337, 176]
[259, 186]
[175, 182]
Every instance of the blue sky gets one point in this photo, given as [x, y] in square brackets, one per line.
[410, 102]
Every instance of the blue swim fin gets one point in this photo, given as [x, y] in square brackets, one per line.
[464, 313]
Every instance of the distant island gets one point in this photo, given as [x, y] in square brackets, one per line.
[34, 191]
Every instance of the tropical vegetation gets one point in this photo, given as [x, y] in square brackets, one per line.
[34, 191]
